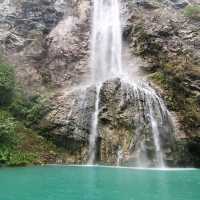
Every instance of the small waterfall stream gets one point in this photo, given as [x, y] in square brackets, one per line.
[155, 131]
[106, 63]
[94, 128]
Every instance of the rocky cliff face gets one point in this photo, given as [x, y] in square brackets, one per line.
[169, 41]
[125, 125]
[48, 42]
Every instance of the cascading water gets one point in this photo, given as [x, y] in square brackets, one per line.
[152, 110]
[119, 156]
[106, 40]
[106, 63]
[105, 55]
[94, 128]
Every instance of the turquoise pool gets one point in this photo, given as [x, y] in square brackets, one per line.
[98, 183]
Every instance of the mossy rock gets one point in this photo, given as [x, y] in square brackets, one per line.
[179, 99]
[193, 12]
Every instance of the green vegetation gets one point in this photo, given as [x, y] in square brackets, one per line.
[7, 83]
[20, 144]
[7, 129]
[193, 12]
[28, 109]
[160, 79]
[178, 98]
[9, 139]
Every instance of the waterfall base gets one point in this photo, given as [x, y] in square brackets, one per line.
[129, 132]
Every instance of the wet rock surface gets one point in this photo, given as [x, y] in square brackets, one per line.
[123, 124]
[69, 120]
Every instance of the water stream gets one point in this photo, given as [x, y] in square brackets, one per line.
[94, 128]
[106, 54]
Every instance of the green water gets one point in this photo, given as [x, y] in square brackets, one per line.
[97, 183]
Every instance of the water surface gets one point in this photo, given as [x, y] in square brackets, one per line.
[98, 183]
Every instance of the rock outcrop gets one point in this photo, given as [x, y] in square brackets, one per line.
[124, 124]
[69, 121]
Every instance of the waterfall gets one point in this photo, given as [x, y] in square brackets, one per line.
[106, 63]
[106, 46]
[150, 110]
[106, 40]
[94, 128]
[155, 131]
[119, 155]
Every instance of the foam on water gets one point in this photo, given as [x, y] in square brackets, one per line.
[131, 168]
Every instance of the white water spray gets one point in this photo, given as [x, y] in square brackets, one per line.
[119, 156]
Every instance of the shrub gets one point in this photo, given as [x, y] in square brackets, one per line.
[11, 139]
[29, 110]
[7, 130]
[193, 12]
[8, 136]
[21, 158]
[7, 83]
